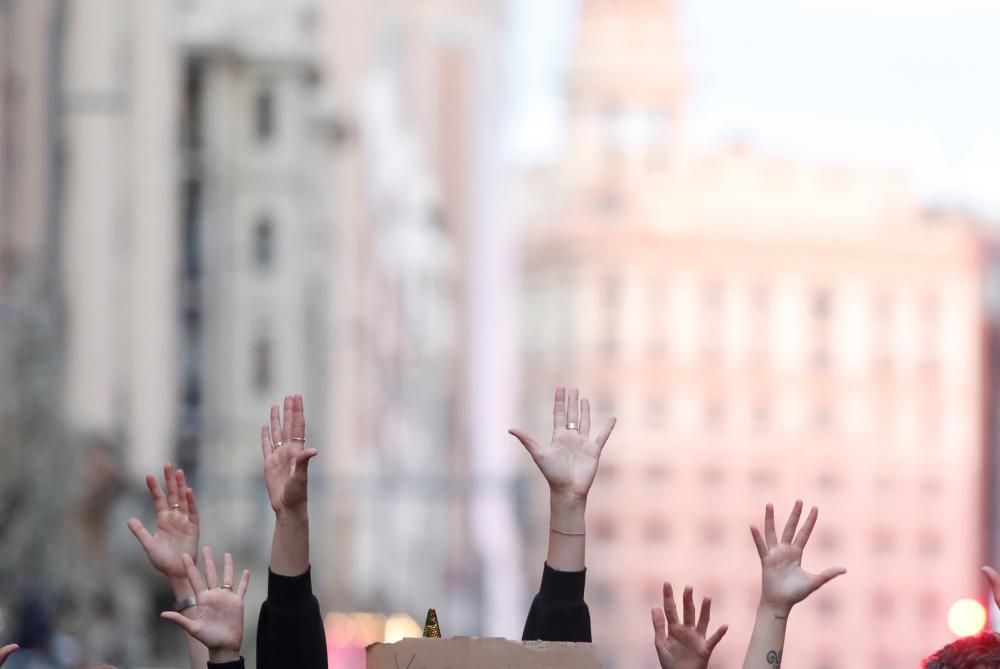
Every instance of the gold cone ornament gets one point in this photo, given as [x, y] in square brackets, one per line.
[431, 628]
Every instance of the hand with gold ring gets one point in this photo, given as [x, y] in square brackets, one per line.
[218, 618]
[286, 459]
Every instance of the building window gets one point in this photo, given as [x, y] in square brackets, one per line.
[713, 533]
[930, 543]
[263, 243]
[605, 530]
[657, 474]
[883, 542]
[262, 365]
[655, 531]
[264, 120]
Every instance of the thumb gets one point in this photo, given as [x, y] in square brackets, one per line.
[824, 577]
[529, 444]
[302, 462]
[994, 578]
[714, 640]
[184, 623]
[7, 651]
[141, 533]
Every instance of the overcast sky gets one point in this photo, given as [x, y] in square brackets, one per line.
[911, 83]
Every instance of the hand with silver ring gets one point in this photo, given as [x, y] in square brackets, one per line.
[569, 462]
[286, 469]
[217, 620]
[177, 524]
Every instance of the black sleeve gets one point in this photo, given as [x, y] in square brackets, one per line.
[558, 612]
[235, 664]
[290, 630]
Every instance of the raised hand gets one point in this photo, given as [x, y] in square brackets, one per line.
[569, 462]
[286, 459]
[784, 582]
[6, 652]
[683, 645]
[176, 524]
[218, 618]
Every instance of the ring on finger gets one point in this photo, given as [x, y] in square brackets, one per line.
[225, 586]
[572, 426]
[174, 507]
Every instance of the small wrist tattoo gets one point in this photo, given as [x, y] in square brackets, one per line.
[774, 658]
[781, 616]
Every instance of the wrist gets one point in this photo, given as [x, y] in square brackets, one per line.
[567, 513]
[223, 655]
[774, 610]
[294, 515]
[181, 587]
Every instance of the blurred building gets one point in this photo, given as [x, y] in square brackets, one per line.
[414, 110]
[764, 330]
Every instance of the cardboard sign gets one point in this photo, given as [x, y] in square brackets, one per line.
[471, 653]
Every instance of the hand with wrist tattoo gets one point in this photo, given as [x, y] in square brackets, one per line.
[784, 583]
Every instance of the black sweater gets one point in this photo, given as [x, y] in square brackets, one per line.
[558, 612]
[290, 632]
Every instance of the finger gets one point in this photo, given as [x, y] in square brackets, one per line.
[759, 542]
[211, 575]
[669, 606]
[182, 491]
[529, 444]
[585, 417]
[159, 499]
[689, 606]
[769, 534]
[802, 538]
[141, 533]
[559, 411]
[197, 584]
[793, 523]
[821, 579]
[299, 419]
[265, 441]
[192, 507]
[286, 420]
[704, 616]
[714, 640]
[171, 483]
[241, 589]
[183, 622]
[573, 407]
[302, 458]
[602, 438]
[7, 651]
[227, 570]
[275, 427]
[659, 625]
[994, 578]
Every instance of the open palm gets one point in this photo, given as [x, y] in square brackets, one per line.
[286, 459]
[218, 619]
[784, 582]
[569, 463]
[683, 644]
[177, 524]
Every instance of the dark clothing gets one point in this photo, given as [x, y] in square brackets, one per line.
[235, 664]
[558, 612]
[290, 632]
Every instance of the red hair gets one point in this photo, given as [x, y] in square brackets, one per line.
[974, 652]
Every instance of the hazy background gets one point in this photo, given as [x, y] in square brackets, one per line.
[759, 233]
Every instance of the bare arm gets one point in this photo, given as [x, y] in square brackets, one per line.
[569, 464]
[177, 530]
[286, 472]
[784, 583]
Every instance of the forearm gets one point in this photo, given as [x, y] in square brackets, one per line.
[567, 527]
[290, 546]
[197, 652]
[768, 640]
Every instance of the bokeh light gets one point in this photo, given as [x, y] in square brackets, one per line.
[966, 617]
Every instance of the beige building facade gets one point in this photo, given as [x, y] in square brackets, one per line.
[764, 330]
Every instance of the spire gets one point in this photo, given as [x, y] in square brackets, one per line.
[627, 54]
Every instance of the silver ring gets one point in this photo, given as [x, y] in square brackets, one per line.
[227, 587]
[572, 426]
[302, 439]
[174, 507]
[276, 444]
